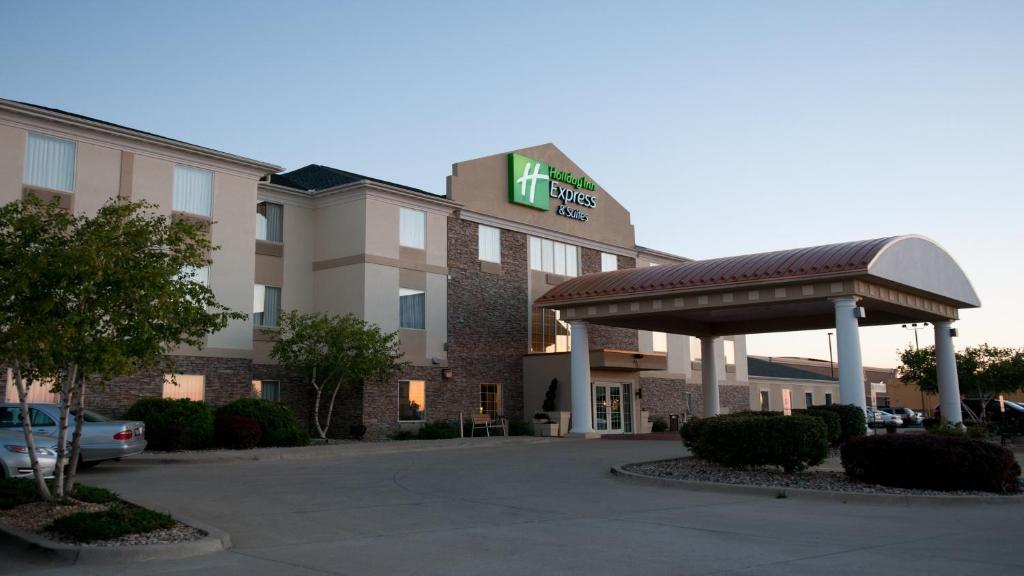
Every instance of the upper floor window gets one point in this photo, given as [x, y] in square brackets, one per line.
[413, 228]
[266, 305]
[490, 244]
[554, 257]
[50, 162]
[411, 308]
[193, 190]
[269, 221]
[609, 262]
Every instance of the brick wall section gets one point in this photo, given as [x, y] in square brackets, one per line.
[664, 396]
[380, 401]
[227, 379]
[607, 336]
[488, 323]
[296, 393]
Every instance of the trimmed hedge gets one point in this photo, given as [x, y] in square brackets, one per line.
[278, 426]
[852, 421]
[758, 439]
[932, 462]
[119, 520]
[832, 422]
[439, 430]
[237, 432]
[174, 424]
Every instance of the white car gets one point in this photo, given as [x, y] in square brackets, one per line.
[879, 419]
[14, 457]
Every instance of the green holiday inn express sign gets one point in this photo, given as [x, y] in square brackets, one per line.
[533, 183]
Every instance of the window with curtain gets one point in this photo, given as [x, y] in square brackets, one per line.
[765, 401]
[412, 228]
[266, 305]
[50, 162]
[269, 222]
[490, 244]
[412, 400]
[411, 308]
[490, 400]
[554, 257]
[609, 262]
[193, 190]
[808, 399]
[266, 389]
[190, 386]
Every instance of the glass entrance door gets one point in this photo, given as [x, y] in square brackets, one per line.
[609, 415]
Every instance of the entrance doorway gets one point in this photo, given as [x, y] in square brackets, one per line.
[613, 408]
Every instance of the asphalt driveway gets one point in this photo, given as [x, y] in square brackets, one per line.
[518, 507]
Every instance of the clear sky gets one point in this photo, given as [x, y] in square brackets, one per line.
[724, 127]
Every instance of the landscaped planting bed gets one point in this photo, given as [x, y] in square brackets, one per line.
[92, 516]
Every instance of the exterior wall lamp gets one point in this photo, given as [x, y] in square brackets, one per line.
[446, 373]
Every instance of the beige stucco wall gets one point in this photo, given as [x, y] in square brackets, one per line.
[231, 274]
[797, 387]
[299, 239]
[97, 176]
[339, 290]
[12, 163]
[340, 228]
[153, 181]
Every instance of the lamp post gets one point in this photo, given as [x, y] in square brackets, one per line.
[917, 346]
[831, 365]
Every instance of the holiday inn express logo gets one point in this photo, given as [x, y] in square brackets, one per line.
[529, 182]
[533, 183]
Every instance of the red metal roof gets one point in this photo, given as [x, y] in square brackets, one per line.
[845, 258]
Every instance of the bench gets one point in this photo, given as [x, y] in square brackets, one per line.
[485, 422]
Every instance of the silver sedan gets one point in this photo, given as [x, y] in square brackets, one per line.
[14, 456]
[102, 437]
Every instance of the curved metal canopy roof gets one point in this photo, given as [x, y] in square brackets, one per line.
[911, 262]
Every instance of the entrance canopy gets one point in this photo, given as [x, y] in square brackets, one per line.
[895, 280]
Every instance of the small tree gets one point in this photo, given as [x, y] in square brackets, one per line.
[984, 371]
[119, 293]
[334, 353]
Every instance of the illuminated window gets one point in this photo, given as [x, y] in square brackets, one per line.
[490, 244]
[412, 401]
[190, 386]
[609, 262]
[548, 332]
[490, 399]
[266, 389]
[50, 162]
[554, 257]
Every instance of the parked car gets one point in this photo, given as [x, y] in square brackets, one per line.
[971, 410]
[879, 419]
[102, 438]
[14, 456]
[909, 417]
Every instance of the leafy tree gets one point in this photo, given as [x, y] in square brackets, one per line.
[984, 371]
[118, 293]
[334, 353]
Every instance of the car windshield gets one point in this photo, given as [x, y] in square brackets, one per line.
[90, 416]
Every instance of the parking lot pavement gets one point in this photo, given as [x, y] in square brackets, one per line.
[518, 507]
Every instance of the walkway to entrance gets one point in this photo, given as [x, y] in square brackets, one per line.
[897, 280]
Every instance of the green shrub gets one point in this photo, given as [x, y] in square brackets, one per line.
[832, 422]
[17, 491]
[119, 520]
[237, 432]
[439, 430]
[852, 421]
[278, 426]
[517, 427]
[174, 424]
[931, 461]
[750, 439]
[659, 425]
[93, 494]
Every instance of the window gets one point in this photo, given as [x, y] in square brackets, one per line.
[266, 389]
[828, 399]
[765, 403]
[490, 400]
[659, 342]
[193, 190]
[50, 162]
[554, 257]
[190, 386]
[266, 305]
[411, 400]
[193, 274]
[412, 225]
[548, 332]
[609, 262]
[808, 399]
[490, 244]
[10, 417]
[411, 308]
[269, 222]
[38, 418]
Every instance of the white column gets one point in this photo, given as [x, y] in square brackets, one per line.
[709, 376]
[945, 364]
[579, 367]
[851, 367]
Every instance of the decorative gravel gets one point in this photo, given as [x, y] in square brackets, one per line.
[36, 516]
[695, 469]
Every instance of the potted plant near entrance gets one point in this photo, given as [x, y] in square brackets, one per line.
[543, 426]
[551, 408]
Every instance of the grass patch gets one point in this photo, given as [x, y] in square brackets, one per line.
[94, 495]
[119, 520]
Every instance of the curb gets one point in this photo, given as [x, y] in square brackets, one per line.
[807, 493]
[215, 540]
